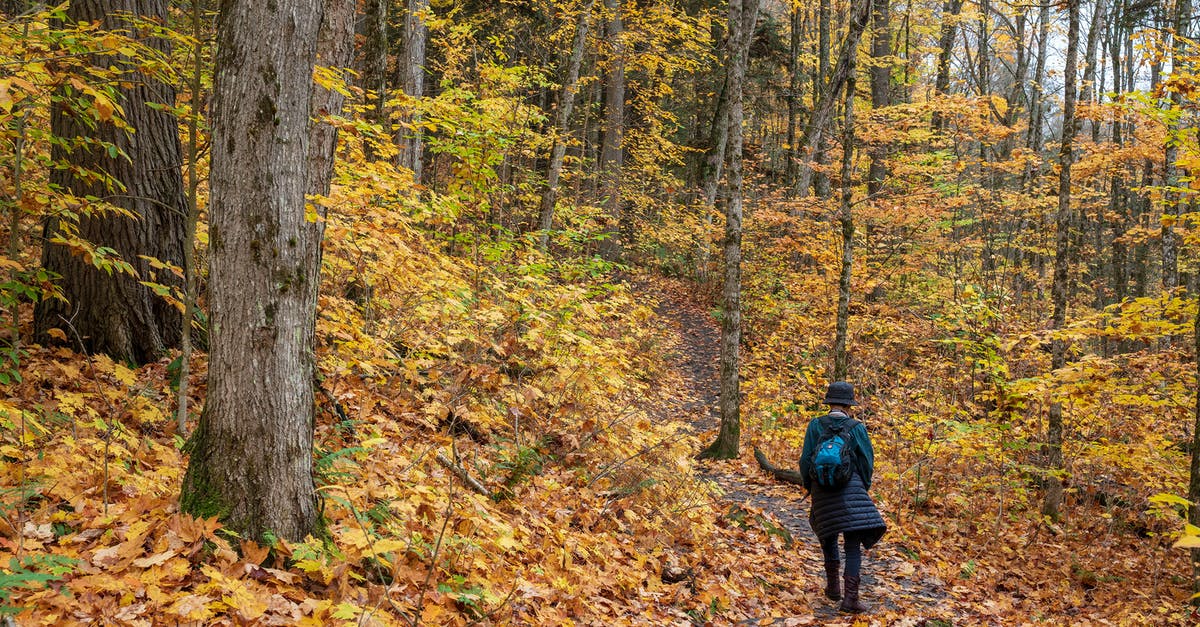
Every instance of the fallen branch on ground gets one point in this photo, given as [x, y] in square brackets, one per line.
[782, 474]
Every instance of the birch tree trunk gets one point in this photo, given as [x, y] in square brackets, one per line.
[112, 312]
[824, 108]
[742, 17]
[251, 454]
[562, 123]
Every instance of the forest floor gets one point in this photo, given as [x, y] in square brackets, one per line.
[900, 590]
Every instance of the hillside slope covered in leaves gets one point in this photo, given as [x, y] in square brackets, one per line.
[563, 247]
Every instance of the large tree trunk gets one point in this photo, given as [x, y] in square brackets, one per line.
[562, 123]
[412, 81]
[1054, 430]
[742, 17]
[612, 147]
[251, 454]
[112, 312]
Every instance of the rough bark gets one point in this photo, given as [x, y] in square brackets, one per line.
[251, 454]
[113, 313]
[1054, 430]
[562, 123]
[374, 64]
[742, 16]
[612, 151]
[412, 81]
[335, 48]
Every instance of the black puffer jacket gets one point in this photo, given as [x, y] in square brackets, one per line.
[848, 509]
[851, 508]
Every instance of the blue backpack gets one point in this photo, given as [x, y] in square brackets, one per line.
[833, 463]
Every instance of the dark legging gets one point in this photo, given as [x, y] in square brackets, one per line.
[853, 545]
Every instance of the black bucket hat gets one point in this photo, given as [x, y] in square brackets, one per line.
[840, 393]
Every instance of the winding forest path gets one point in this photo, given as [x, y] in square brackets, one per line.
[892, 582]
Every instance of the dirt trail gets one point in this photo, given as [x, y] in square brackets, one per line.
[891, 581]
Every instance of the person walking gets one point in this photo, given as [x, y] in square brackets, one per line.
[845, 509]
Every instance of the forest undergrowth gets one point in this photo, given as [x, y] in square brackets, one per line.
[538, 382]
[485, 454]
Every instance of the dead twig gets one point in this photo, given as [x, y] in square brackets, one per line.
[463, 475]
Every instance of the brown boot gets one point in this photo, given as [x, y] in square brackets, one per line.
[833, 589]
[850, 602]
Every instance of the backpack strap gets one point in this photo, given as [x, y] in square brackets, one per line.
[847, 425]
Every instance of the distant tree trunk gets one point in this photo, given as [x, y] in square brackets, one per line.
[251, 454]
[793, 97]
[113, 313]
[1086, 226]
[714, 167]
[412, 81]
[612, 149]
[881, 89]
[562, 123]
[820, 182]
[1118, 195]
[846, 219]
[742, 16]
[1062, 263]
[1036, 105]
[335, 48]
[941, 85]
[1194, 482]
[1170, 239]
[375, 57]
[823, 110]
[1090, 59]
[196, 86]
